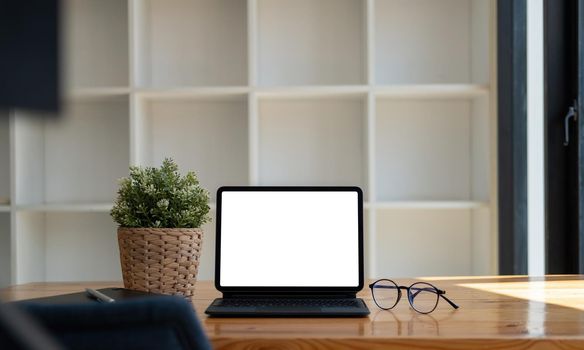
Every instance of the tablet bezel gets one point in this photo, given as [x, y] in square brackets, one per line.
[288, 289]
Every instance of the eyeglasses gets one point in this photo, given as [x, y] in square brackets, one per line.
[423, 297]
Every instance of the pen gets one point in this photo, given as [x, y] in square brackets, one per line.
[99, 296]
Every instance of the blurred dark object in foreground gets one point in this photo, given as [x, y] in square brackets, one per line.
[139, 323]
[18, 331]
[29, 54]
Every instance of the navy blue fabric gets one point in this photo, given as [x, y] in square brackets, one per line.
[147, 323]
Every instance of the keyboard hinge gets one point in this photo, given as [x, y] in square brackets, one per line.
[288, 295]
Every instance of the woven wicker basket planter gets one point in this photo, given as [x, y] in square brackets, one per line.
[160, 260]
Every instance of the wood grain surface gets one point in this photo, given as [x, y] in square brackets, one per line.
[511, 312]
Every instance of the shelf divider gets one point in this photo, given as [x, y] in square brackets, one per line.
[370, 127]
[311, 91]
[13, 232]
[252, 43]
[370, 41]
[371, 178]
[67, 207]
[494, 176]
[432, 90]
[433, 204]
[96, 92]
[213, 92]
[253, 139]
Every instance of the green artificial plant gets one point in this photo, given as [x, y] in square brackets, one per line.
[161, 197]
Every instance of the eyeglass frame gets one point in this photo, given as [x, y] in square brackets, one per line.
[439, 292]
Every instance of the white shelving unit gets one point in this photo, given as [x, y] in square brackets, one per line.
[395, 96]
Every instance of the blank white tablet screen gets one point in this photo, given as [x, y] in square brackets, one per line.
[289, 238]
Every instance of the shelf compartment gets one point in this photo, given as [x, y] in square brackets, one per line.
[423, 243]
[312, 142]
[432, 150]
[75, 242]
[5, 250]
[191, 43]
[76, 157]
[96, 43]
[4, 158]
[208, 136]
[308, 42]
[429, 41]
[29, 254]
[67, 247]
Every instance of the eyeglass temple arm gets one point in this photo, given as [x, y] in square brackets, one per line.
[440, 293]
[449, 301]
[384, 286]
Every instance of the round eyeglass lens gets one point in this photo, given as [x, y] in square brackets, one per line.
[423, 297]
[385, 294]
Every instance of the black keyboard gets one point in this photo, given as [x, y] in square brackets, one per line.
[289, 307]
[288, 303]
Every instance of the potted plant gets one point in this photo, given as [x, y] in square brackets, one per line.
[160, 214]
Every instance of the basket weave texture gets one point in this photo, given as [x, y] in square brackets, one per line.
[160, 260]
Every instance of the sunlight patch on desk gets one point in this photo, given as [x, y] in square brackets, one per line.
[562, 294]
[466, 278]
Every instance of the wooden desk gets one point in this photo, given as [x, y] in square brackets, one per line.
[495, 313]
